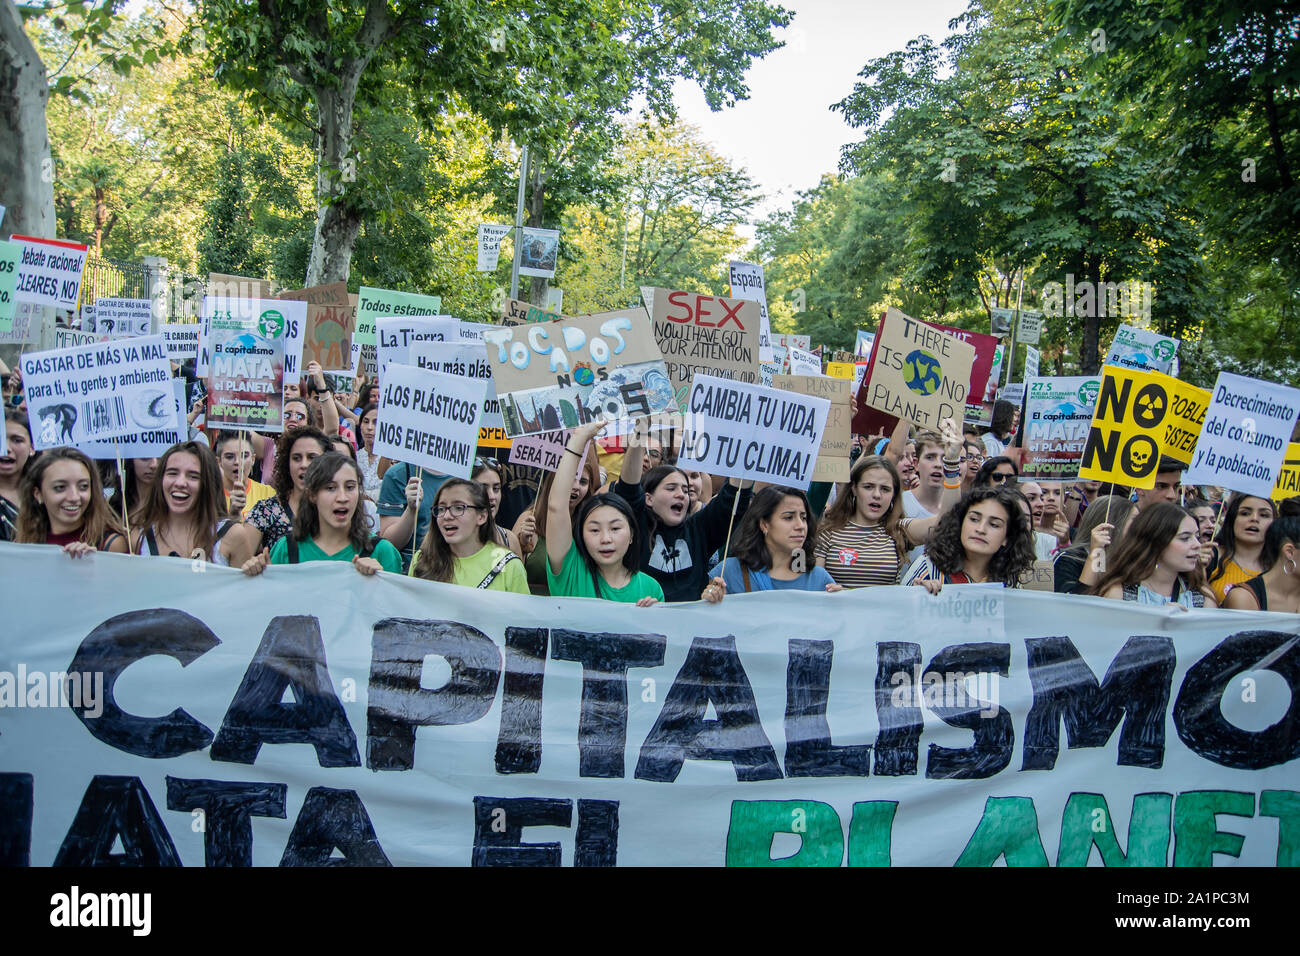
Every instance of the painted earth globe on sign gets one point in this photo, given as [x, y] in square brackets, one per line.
[922, 372]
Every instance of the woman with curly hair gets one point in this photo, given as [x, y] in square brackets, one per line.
[329, 523]
[185, 513]
[1240, 543]
[985, 539]
[270, 520]
[1158, 562]
[61, 502]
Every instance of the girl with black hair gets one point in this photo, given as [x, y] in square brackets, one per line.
[329, 524]
[12, 468]
[129, 496]
[184, 515]
[1278, 588]
[1240, 543]
[272, 519]
[489, 473]
[459, 546]
[366, 456]
[61, 502]
[1001, 429]
[768, 550]
[530, 529]
[593, 554]
[674, 545]
[1158, 562]
[984, 539]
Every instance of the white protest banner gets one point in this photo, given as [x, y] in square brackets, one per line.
[375, 304]
[429, 419]
[120, 318]
[748, 431]
[1058, 415]
[72, 338]
[917, 372]
[365, 359]
[395, 337]
[832, 462]
[182, 340]
[746, 281]
[10, 254]
[1031, 329]
[289, 315]
[148, 443]
[557, 375]
[790, 340]
[490, 235]
[1013, 392]
[246, 379]
[1141, 349]
[467, 359]
[804, 363]
[49, 272]
[539, 253]
[973, 727]
[1245, 436]
[98, 391]
[544, 450]
[859, 373]
[475, 331]
[1031, 362]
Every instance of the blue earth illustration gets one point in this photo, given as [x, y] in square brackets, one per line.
[922, 372]
[584, 376]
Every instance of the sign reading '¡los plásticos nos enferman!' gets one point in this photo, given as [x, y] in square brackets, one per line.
[917, 372]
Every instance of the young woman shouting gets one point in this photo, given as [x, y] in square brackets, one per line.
[459, 547]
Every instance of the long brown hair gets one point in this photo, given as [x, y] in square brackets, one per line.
[33, 526]
[1108, 509]
[844, 508]
[306, 520]
[1148, 536]
[436, 562]
[281, 480]
[591, 469]
[209, 503]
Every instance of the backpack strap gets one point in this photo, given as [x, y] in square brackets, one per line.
[498, 568]
[150, 541]
[744, 573]
[222, 529]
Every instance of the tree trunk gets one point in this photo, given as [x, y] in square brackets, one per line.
[1090, 354]
[535, 204]
[337, 220]
[26, 171]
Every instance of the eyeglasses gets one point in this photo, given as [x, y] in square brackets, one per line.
[456, 511]
[998, 477]
[972, 457]
[487, 463]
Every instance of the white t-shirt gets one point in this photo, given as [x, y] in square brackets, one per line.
[912, 508]
[993, 444]
[1044, 545]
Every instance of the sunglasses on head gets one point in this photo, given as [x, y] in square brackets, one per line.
[487, 463]
[998, 477]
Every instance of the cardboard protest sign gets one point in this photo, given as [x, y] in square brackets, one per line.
[396, 336]
[467, 359]
[562, 374]
[146, 443]
[748, 431]
[1247, 431]
[917, 372]
[490, 235]
[429, 419]
[98, 391]
[1040, 577]
[1288, 476]
[1141, 349]
[702, 334]
[540, 249]
[225, 286]
[328, 328]
[10, 254]
[728, 799]
[745, 281]
[519, 312]
[545, 450]
[120, 318]
[28, 324]
[1127, 427]
[804, 363]
[49, 272]
[375, 304]
[246, 378]
[182, 340]
[832, 462]
[841, 369]
[290, 316]
[1058, 415]
[71, 338]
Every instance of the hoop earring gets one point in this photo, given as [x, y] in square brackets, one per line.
[1286, 569]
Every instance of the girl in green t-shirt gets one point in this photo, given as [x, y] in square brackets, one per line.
[595, 552]
[330, 524]
[458, 547]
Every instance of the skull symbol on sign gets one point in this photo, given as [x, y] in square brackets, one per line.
[1139, 454]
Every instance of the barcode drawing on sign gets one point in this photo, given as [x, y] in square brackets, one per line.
[103, 414]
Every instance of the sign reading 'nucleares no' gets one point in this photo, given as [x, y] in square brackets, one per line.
[846, 725]
[706, 335]
[1139, 417]
[752, 432]
[429, 419]
[558, 375]
[917, 372]
[49, 272]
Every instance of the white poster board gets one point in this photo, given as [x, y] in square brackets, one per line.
[429, 419]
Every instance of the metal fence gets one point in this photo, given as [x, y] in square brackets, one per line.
[180, 291]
